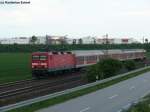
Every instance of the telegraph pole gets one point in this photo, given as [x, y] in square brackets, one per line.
[143, 39]
[107, 42]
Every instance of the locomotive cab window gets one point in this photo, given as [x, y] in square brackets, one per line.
[35, 57]
[43, 57]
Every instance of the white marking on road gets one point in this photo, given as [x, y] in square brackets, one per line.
[119, 110]
[135, 102]
[132, 87]
[127, 106]
[144, 80]
[113, 96]
[85, 109]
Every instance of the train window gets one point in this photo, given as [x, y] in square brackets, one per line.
[35, 57]
[69, 53]
[43, 57]
[91, 58]
[62, 52]
[80, 59]
[55, 52]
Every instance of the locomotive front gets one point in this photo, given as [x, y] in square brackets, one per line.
[39, 63]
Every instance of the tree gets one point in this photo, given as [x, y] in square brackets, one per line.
[80, 41]
[109, 67]
[104, 69]
[92, 72]
[74, 41]
[146, 41]
[94, 40]
[33, 39]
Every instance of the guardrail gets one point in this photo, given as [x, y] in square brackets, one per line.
[46, 97]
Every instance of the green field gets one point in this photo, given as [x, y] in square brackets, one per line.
[14, 66]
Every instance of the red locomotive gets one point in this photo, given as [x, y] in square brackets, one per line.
[44, 63]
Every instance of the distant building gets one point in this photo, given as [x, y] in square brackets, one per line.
[40, 40]
[84, 40]
[104, 40]
[88, 40]
[16, 40]
[125, 41]
[70, 40]
[56, 39]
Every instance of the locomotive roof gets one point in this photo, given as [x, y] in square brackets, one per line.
[87, 52]
[94, 52]
[133, 50]
[102, 52]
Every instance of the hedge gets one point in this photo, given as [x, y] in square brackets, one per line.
[33, 48]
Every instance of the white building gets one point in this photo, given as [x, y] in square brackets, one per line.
[105, 40]
[64, 40]
[125, 41]
[69, 40]
[110, 40]
[88, 40]
[20, 40]
[40, 40]
[56, 39]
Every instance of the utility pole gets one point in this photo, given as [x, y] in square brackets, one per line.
[143, 40]
[107, 42]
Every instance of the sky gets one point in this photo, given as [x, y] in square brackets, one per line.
[76, 18]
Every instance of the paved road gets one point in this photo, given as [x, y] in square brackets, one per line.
[110, 99]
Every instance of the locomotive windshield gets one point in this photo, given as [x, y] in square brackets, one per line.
[39, 57]
[43, 57]
[35, 57]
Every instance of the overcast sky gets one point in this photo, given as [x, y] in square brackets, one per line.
[77, 18]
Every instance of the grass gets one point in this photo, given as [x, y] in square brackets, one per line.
[63, 98]
[14, 66]
[143, 106]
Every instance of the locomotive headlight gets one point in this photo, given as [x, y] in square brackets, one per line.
[33, 64]
[45, 64]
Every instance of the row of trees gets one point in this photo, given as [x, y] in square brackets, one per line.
[32, 48]
[108, 68]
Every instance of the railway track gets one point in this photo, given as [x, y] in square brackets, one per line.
[13, 86]
[39, 89]
[30, 82]
[15, 83]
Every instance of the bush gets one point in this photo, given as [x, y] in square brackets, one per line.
[104, 69]
[65, 47]
[109, 67]
[92, 72]
[130, 65]
[140, 107]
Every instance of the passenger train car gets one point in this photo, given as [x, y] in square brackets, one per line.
[44, 63]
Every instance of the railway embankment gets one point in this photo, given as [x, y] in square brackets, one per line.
[142, 106]
[28, 89]
[64, 96]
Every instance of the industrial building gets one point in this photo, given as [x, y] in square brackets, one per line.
[16, 40]
[55, 40]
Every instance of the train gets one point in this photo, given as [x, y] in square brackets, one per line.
[45, 63]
